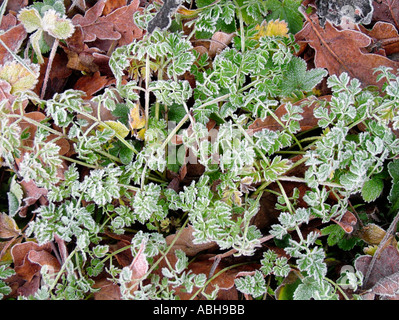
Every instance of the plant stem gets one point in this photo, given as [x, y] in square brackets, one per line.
[69, 258]
[147, 92]
[49, 65]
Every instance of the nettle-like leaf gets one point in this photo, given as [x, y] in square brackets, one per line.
[297, 78]
[169, 92]
[288, 11]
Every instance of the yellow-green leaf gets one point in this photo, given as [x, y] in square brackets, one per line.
[119, 128]
[8, 227]
[19, 77]
[60, 28]
[31, 19]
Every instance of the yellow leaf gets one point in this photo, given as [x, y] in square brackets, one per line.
[136, 117]
[187, 12]
[272, 28]
[140, 134]
[137, 121]
[119, 128]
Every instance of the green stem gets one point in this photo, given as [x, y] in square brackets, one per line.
[147, 92]
[217, 275]
[101, 123]
[284, 194]
[35, 123]
[69, 258]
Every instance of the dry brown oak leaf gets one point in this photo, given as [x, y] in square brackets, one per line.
[385, 38]
[343, 51]
[386, 10]
[118, 25]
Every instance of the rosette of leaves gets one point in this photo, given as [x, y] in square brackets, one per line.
[47, 22]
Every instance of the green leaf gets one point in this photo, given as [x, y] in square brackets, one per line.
[254, 285]
[126, 155]
[119, 128]
[334, 232]
[297, 78]
[15, 196]
[287, 288]
[286, 10]
[372, 189]
[393, 169]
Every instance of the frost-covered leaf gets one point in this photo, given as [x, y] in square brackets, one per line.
[296, 77]
[56, 26]
[119, 128]
[287, 11]
[20, 79]
[31, 19]
[372, 189]
[254, 285]
[8, 226]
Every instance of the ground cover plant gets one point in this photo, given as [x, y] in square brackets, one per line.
[228, 149]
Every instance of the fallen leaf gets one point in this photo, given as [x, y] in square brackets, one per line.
[125, 257]
[118, 25]
[111, 5]
[139, 268]
[219, 41]
[185, 243]
[29, 257]
[347, 222]
[342, 51]
[8, 227]
[12, 38]
[123, 22]
[8, 21]
[16, 5]
[58, 77]
[373, 234]
[386, 10]
[5, 95]
[119, 128]
[271, 29]
[387, 264]
[32, 194]
[107, 290]
[387, 287]
[384, 37]
[91, 84]
[92, 27]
